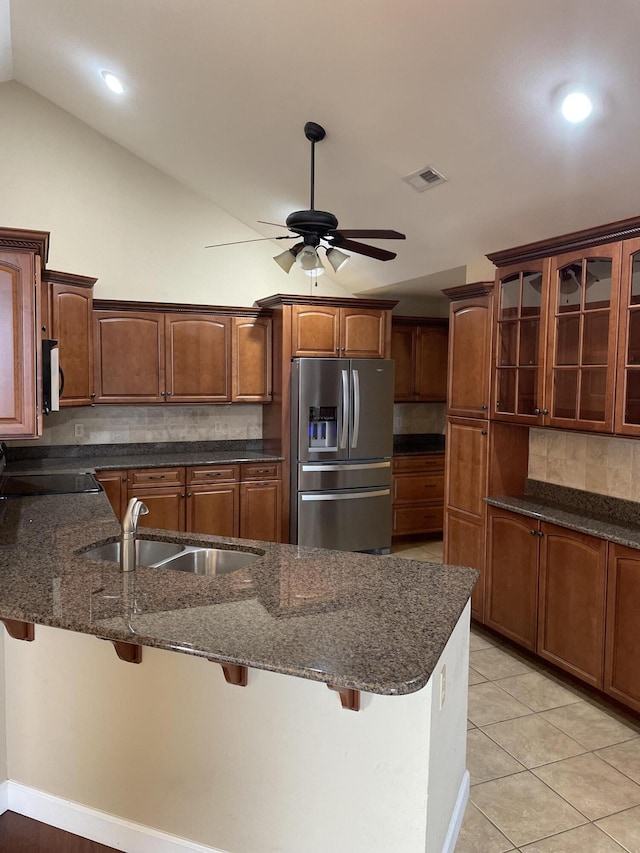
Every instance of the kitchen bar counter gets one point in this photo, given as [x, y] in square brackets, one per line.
[377, 624]
[613, 519]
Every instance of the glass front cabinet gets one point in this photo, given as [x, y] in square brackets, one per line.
[628, 381]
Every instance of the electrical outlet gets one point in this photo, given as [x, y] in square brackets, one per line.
[443, 685]
[78, 430]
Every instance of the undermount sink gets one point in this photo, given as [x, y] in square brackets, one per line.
[182, 558]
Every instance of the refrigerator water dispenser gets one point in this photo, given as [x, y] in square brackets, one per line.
[323, 428]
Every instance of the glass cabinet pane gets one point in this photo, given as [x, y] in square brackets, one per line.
[597, 283]
[509, 297]
[632, 402]
[529, 336]
[635, 280]
[506, 390]
[527, 382]
[569, 288]
[633, 355]
[593, 387]
[568, 342]
[565, 404]
[508, 343]
[531, 294]
[595, 343]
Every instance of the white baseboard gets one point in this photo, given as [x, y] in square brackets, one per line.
[93, 824]
[458, 814]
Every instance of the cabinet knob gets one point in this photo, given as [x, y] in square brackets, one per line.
[533, 532]
[484, 432]
[545, 411]
[484, 407]
[168, 393]
[540, 533]
[163, 393]
[93, 394]
[537, 411]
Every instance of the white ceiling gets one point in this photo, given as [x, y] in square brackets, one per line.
[218, 92]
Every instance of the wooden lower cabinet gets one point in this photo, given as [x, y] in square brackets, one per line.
[114, 484]
[261, 510]
[418, 494]
[511, 605]
[622, 650]
[465, 540]
[213, 509]
[571, 610]
[165, 505]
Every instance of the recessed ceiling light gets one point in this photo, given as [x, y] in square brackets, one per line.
[112, 82]
[576, 107]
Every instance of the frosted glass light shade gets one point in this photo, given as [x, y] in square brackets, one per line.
[309, 261]
[337, 259]
[285, 260]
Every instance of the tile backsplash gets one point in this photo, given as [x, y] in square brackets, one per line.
[125, 424]
[606, 465]
[420, 418]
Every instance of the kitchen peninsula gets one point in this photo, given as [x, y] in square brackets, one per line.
[174, 751]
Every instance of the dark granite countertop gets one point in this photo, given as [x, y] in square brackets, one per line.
[112, 457]
[418, 444]
[613, 519]
[377, 624]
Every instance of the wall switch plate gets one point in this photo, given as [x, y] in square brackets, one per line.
[78, 430]
[443, 685]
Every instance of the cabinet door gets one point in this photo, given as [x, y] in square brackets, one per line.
[364, 332]
[431, 363]
[511, 603]
[469, 357]
[315, 330]
[464, 546]
[261, 510]
[214, 510]
[582, 340]
[19, 340]
[71, 313]
[198, 358]
[421, 518]
[251, 360]
[403, 352]
[129, 357]
[114, 484]
[466, 471]
[165, 505]
[521, 308]
[622, 673]
[573, 575]
[627, 420]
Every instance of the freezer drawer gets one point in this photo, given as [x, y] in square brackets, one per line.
[327, 476]
[346, 520]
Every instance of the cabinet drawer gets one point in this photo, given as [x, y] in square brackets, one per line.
[416, 464]
[202, 475]
[419, 487]
[156, 477]
[417, 519]
[260, 471]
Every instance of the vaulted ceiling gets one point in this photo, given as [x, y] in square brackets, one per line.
[218, 91]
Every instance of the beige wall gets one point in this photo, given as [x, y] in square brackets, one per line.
[606, 465]
[114, 216]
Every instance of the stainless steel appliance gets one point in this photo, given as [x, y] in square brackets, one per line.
[341, 446]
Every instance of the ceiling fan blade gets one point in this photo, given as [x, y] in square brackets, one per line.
[378, 234]
[363, 249]
[275, 224]
[256, 240]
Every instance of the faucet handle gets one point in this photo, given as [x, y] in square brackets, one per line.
[144, 509]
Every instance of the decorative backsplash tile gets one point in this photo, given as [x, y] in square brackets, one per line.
[125, 424]
[606, 465]
[419, 418]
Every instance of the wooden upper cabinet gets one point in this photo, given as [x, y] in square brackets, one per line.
[197, 356]
[345, 332]
[19, 344]
[583, 339]
[470, 334]
[315, 331]
[251, 360]
[71, 324]
[363, 332]
[627, 416]
[419, 347]
[129, 357]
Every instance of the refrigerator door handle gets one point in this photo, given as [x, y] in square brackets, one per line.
[347, 496]
[344, 419]
[344, 466]
[356, 407]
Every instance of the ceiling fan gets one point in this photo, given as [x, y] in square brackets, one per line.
[319, 229]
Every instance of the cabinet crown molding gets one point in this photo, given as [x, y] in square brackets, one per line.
[21, 240]
[68, 278]
[279, 299]
[177, 308]
[466, 291]
[624, 229]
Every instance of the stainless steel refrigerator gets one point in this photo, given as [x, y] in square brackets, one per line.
[341, 447]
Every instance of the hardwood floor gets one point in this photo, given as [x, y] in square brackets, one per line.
[20, 834]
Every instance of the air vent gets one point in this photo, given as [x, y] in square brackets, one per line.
[424, 179]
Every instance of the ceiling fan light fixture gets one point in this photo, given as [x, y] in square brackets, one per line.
[336, 258]
[285, 260]
[309, 261]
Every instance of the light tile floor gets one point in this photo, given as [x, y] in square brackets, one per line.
[552, 769]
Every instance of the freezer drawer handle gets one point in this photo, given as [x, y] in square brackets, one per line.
[349, 466]
[345, 497]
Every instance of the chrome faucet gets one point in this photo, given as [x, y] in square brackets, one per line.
[135, 509]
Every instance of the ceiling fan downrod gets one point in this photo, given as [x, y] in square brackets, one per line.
[314, 133]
